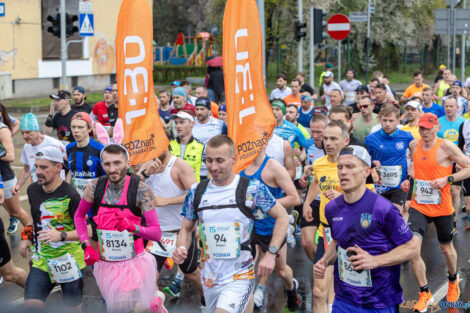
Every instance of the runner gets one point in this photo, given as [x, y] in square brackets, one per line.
[364, 121]
[61, 120]
[125, 273]
[429, 106]
[281, 151]
[336, 98]
[349, 87]
[164, 107]
[413, 113]
[178, 96]
[367, 274]
[294, 97]
[222, 115]
[362, 90]
[100, 110]
[281, 91]
[342, 114]
[228, 204]
[305, 109]
[34, 141]
[185, 145]
[456, 91]
[285, 129]
[442, 86]
[272, 174]
[113, 112]
[415, 89]
[170, 178]
[300, 76]
[187, 86]
[327, 86]
[389, 147]
[431, 171]
[79, 97]
[84, 153]
[464, 146]
[57, 255]
[200, 92]
[381, 97]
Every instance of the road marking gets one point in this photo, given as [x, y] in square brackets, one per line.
[20, 301]
[23, 198]
[16, 167]
[441, 292]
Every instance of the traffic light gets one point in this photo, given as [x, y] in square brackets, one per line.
[70, 28]
[319, 25]
[55, 28]
[299, 33]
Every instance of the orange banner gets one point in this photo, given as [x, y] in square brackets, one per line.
[144, 136]
[250, 120]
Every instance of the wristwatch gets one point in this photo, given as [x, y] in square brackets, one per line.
[144, 175]
[450, 179]
[273, 250]
[63, 235]
[85, 244]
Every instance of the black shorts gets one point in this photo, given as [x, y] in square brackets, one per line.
[189, 265]
[5, 255]
[297, 185]
[397, 196]
[466, 187]
[320, 250]
[454, 170]
[264, 241]
[444, 225]
[315, 205]
[39, 286]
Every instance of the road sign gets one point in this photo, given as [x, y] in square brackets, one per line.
[452, 3]
[358, 16]
[85, 7]
[372, 8]
[443, 20]
[86, 27]
[338, 26]
[2, 8]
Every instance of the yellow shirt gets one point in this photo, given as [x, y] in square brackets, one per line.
[326, 174]
[413, 91]
[414, 130]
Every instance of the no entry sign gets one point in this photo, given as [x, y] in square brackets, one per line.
[338, 27]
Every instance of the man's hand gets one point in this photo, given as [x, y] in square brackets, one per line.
[180, 254]
[266, 265]
[160, 202]
[308, 170]
[405, 185]
[297, 162]
[124, 224]
[49, 235]
[319, 269]
[332, 194]
[377, 164]
[303, 181]
[153, 167]
[24, 246]
[362, 260]
[15, 189]
[307, 212]
[439, 183]
[52, 108]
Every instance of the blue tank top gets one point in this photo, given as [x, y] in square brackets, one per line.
[450, 130]
[264, 227]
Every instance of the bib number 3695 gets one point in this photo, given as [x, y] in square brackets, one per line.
[349, 275]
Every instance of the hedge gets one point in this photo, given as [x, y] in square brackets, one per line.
[169, 73]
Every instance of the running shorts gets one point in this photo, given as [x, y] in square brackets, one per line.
[315, 205]
[340, 306]
[397, 196]
[466, 187]
[5, 255]
[264, 241]
[189, 265]
[232, 297]
[444, 225]
[7, 188]
[39, 286]
[320, 250]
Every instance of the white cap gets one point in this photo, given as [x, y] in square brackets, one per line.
[414, 104]
[359, 152]
[50, 153]
[328, 74]
[183, 115]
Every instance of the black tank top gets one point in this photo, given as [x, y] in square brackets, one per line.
[5, 168]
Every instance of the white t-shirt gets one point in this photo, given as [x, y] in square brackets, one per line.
[204, 132]
[29, 153]
[280, 94]
[329, 88]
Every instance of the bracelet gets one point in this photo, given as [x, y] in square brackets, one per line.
[27, 233]
[145, 175]
[137, 230]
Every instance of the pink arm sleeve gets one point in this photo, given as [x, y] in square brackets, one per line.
[80, 219]
[152, 230]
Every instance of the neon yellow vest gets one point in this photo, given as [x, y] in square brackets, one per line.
[193, 154]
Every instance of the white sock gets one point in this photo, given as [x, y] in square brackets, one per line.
[330, 307]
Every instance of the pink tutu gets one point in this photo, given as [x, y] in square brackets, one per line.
[127, 284]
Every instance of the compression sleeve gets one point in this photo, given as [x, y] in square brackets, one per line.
[80, 219]
[152, 230]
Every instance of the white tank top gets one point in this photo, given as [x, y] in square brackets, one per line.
[162, 185]
[466, 136]
[275, 149]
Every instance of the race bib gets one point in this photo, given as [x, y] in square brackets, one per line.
[326, 237]
[298, 172]
[166, 247]
[63, 269]
[423, 193]
[350, 97]
[390, 176]
[349, 275]
[80, 184]
[116, 245]
[221, 240]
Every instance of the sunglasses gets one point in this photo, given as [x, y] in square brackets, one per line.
[364, 106]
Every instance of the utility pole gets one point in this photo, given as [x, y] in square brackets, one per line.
[301, 41]
[63, 45]
[260, 4]
[368, 41]
[312, 50]
[462, 51]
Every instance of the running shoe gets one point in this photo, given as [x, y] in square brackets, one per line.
[295, 214]
[290, 239]
[13, 225]
[157, 305]
[425, 299]
[453, 292]
[293, 299]
[258, 295]
[174, 288]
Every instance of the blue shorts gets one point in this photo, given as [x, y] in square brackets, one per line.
[340, 306]
[39, 286]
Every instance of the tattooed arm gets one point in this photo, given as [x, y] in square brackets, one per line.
[145, 197]
[146, 201]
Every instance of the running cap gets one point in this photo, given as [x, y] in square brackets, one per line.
[320, 110]
[306, 98]
[84, 117]
[203, 102]
[457, 83]
[362, 88]
[108, 89]
[428, 120]
[175, 83]
[328, 74]
[179, 91]
[183, 115]
[29, 121]
[80, 89]
[279, 103]
[50, 153]
[223, 108]
[60, 95]
[414, 104]
[442, 66]
[329, 65]
[359, 152]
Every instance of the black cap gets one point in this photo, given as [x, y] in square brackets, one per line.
[60, 95]
[362, 88]
[320, 110]
[204, 102]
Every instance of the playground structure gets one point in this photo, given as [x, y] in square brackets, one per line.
[195, 54]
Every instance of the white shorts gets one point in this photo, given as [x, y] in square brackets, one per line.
[232, 297]
[7, 188]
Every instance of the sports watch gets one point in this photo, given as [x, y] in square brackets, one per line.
[450, 179]
[273, 249]
[63, 235]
